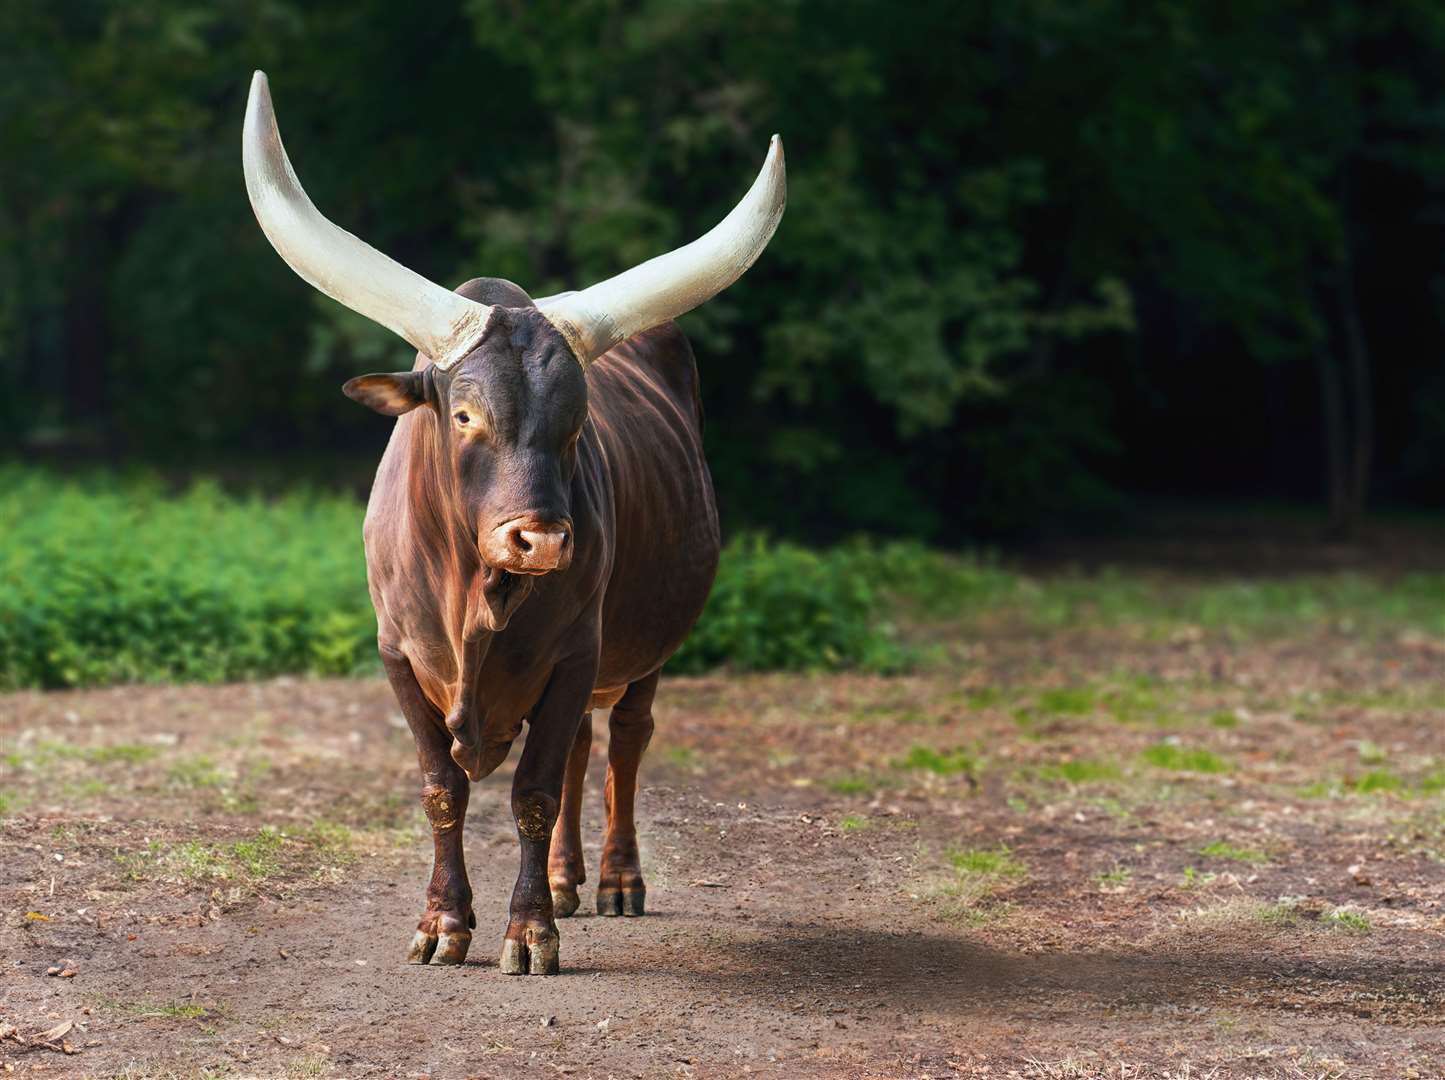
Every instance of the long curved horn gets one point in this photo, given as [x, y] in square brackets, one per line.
[434, 320]
[663, 288]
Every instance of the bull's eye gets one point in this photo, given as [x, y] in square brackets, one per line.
[463, 418]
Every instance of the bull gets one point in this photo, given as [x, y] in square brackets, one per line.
[541, 534]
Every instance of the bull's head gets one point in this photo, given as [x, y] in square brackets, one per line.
[506, 384]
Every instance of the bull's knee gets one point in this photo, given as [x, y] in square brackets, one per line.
[535, 812]
[443, 807]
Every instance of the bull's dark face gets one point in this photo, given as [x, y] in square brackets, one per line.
[508, 418]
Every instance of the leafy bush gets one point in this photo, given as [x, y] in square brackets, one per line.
[105, 580]
[104, 583]
[777, 606]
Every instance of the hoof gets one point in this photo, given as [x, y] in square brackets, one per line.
[423, 945]
[531, 958]
[452, 948]
[564, 901]
[441, 948]
[621, 901]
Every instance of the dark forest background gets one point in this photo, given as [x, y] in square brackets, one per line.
[1041, 259]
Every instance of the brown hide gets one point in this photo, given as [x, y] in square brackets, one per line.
[645, 549]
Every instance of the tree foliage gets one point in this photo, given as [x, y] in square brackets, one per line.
[1015, 232]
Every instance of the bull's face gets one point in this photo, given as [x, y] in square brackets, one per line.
[507, 417]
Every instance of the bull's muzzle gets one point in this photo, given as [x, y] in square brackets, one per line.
[529, 545]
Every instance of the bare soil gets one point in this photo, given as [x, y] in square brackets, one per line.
[986, 870]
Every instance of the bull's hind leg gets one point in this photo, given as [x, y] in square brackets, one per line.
[445, 930]
[565, 868]
[620, 890]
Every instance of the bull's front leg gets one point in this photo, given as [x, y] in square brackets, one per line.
[445, 931]
[531, 944]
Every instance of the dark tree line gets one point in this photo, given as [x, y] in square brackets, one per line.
[1038, 255]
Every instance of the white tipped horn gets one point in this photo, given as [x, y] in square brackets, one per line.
[663, 288]
[434, 320]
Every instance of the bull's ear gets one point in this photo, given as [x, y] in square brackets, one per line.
[390, 395]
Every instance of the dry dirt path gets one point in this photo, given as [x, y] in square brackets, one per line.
[976, 873]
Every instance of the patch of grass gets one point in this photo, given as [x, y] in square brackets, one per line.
[48, 752]
[1068, 700]
[1370, 753]
[198, 771]
[1378, 780]
[682, 757]
[853, 822]
[128, 753]
[259, 858]
[1242, 911]
[150, 1010]
[850, 785]
[1222, 849]
[1348, 920]
[1115, 879]
[1283, 912]
[1081, 771]
[941, 763]
[1224, 720]
[1178, 758]
[990, 862]
[7, 802]
[984, 697]
[975, 874]
[1194, 878]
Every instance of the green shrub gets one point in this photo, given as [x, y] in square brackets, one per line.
[104, 582]
[779, 607]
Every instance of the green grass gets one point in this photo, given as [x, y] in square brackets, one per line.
[853, 823]
[170, 1010]
[851, 785]
[986, 862]
[1116, 878]
[1377, 780]
[1222, 849]
[939, 762]
[198, 771]
[266, 854]
[1348, 921]
[1177, 758]
[1081, 771]
[1195, 878]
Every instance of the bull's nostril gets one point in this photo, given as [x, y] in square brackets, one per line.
[520, 539]
[566, 539]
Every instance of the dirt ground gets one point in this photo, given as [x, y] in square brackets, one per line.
[1076, 855]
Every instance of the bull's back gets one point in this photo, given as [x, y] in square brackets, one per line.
[644, 406]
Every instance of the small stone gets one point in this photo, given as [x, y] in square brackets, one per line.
[603, 1025]
[549, 1021]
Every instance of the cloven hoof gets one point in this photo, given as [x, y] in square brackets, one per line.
[531, 958]
[621, 901]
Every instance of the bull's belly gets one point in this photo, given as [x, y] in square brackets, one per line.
[644, 624]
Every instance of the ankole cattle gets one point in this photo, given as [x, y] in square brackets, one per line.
[541, 535]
